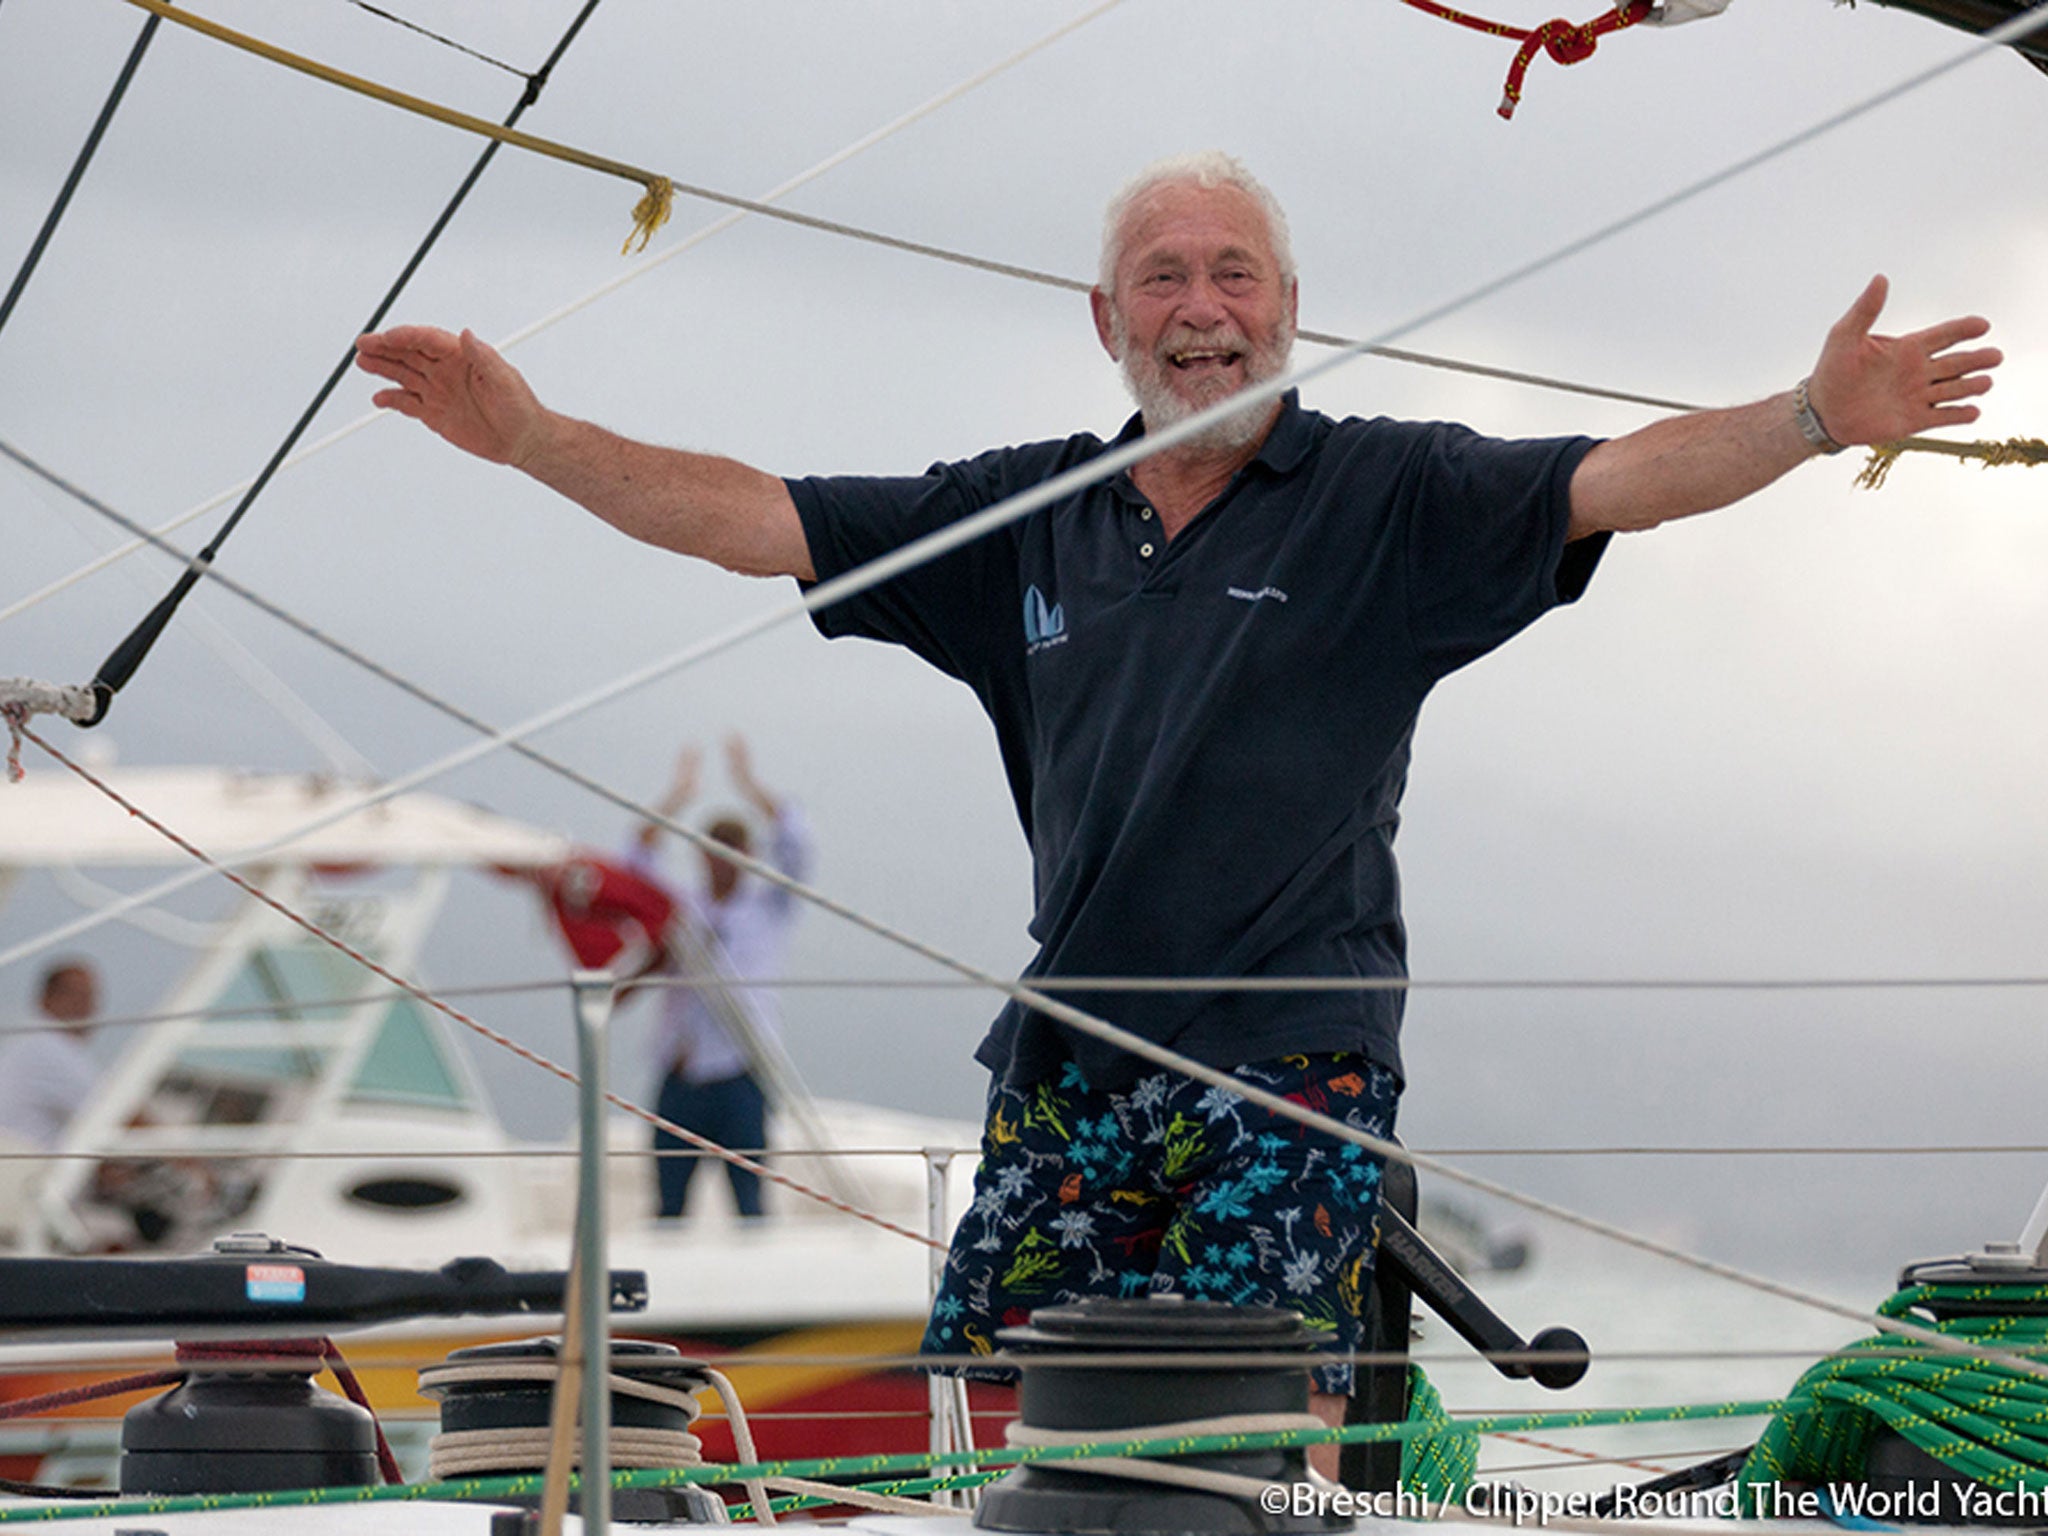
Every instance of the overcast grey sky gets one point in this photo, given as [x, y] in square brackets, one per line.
[1803, 738]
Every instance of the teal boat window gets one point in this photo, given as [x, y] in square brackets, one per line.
[406, 1064]
[291, 982]
[251, 1064]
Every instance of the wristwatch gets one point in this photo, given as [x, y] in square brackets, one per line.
[1809, 420]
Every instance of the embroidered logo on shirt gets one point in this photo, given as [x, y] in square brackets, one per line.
[1044, 625]
[1247, 595]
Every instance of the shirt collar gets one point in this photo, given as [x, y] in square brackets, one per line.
[1289, 442]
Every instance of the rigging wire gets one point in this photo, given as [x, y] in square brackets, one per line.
[640, 269]
[1057, 984]
[446, 42]
[653, 209]
[78, 167]
[1110, 463]
[2016, 450]
[1145, 1050]
[121, 662]
[208, 865]
[1023, 503]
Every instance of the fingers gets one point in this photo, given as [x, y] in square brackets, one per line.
[1952, 415]
[1956, 365]
[1946, 390]
[1939, 338]
[1863, 313]
[402, 401]
[420, 343]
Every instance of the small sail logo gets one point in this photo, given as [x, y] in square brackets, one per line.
[1044, 624]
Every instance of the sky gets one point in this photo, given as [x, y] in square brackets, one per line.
[1801, 739]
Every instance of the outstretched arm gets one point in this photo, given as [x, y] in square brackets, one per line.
[696, 504]
[682, 789]
[1865, 389]
[740, 764]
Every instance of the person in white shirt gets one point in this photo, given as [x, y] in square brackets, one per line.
[707, 1083]
[46, 1075]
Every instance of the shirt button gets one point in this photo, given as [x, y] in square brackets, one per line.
[1145, 550]
[1144, 514]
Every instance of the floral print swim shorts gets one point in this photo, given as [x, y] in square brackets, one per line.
[1173, 1186]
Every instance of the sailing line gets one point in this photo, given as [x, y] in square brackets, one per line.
[1020, 506]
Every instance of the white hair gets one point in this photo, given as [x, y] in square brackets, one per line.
[1204, 168]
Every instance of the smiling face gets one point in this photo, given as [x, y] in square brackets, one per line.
[1200, 307]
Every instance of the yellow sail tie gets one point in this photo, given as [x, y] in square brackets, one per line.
[2014, 450]
[649, 214]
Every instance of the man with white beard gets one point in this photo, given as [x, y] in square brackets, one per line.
[1203, 675]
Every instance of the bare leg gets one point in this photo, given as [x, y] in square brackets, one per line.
[1329, 1407]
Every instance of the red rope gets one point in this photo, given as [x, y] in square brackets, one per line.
[303, 1354]
[22, 1407]
[308, 1355]
[1566, 42]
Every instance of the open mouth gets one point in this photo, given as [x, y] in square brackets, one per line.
[1201, 360]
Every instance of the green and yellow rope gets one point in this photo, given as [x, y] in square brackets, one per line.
[1977, 1417]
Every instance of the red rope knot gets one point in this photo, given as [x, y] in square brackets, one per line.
[1567, 42]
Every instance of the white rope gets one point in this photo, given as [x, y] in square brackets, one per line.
[33, 698]
[1101, 468]
[1086, 1023]
[1172, 1474]
[21, 697]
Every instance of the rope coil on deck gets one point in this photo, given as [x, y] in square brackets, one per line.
[459, 1454]
[1976, 1416]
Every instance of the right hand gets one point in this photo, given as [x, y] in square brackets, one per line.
[459, 387]
[682, 787]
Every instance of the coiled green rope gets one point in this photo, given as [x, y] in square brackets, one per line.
[1976, 1417]
[1439, 1462]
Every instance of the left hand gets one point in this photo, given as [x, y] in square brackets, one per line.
[1877, 389]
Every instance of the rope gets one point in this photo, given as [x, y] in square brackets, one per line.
[533, 328]
[649, 214]
[421, 995]
[764, 207]
[1439, 1461]
[1109, 463]
[1975, 1415]
[1089, 1024]
[480, 1452]
[121, 662]
[2030, 451]
[21, 697]
[1230, 1484]
[304, 1357]
[1566, 42]
[819, 596]
[301, 1356]
[875, 1465]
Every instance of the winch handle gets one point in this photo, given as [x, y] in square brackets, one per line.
[1556, 1358]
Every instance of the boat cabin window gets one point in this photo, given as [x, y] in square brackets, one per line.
[405, 1064]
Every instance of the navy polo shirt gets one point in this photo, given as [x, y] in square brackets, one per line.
[1207, 739]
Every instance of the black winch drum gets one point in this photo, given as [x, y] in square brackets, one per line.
[1114, 1400]
[235, 1431]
